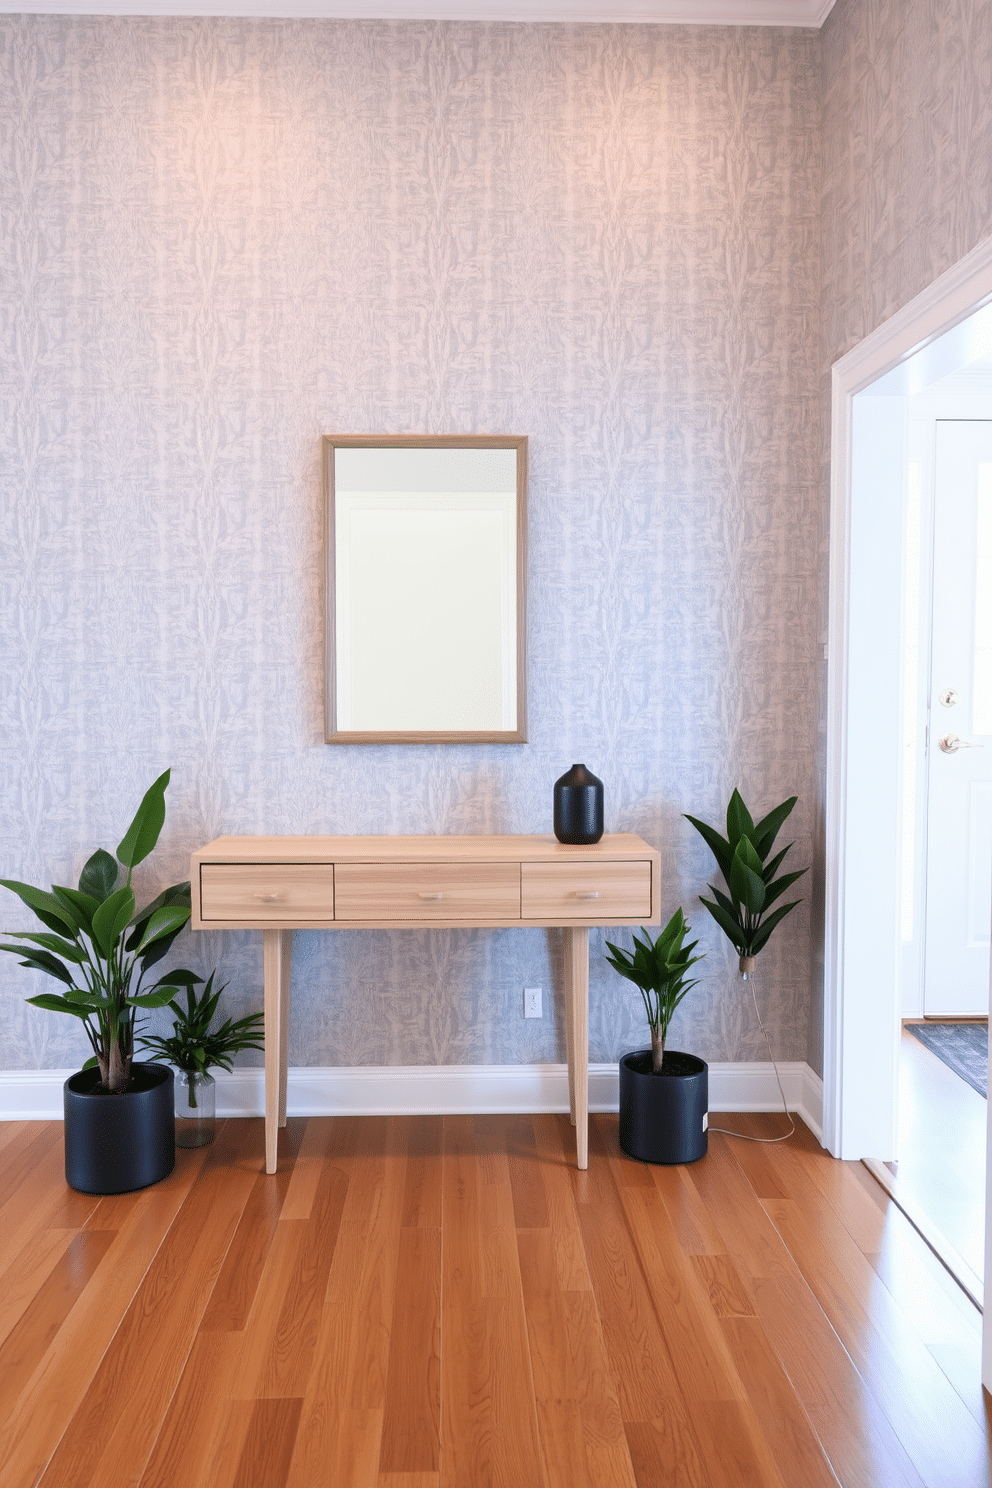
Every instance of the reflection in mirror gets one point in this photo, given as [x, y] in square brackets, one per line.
[425, 589]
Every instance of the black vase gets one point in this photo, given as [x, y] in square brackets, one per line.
[663, 1117]
[578, 807]
[116, 1143]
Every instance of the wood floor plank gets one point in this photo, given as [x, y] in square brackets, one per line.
[489, 1430]
[46, 1406]
[27, 1271]
[197, 1412]
[787, 1428]
[290, 1352]
[530, 1201]
[579, 1418]
[551, 1133]
[639, 1359]
[148, 1352]
[422, 1196]
[268, 1448]
[42, 1200]
[341, 1419]
[317, 1134]
[24, 1156]
[411, 1422]
[38, 1326]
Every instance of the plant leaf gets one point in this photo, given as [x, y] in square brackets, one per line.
[778, 888]
[81, 906]
[66, 948]
[767, 829]
[719, 847]
[731, 929]
[48, 909]
[739, 823]
[746, 885]
[142, 835]
[99, 876]
[163, 922]
[111, 919]
[52, 1003]
[41, 961]
[767, 926]
[151, 999]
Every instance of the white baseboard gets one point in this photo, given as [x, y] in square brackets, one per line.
[386, 1090]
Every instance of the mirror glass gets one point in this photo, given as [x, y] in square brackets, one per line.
[425, 589]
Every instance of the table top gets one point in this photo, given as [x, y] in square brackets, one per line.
[507, 847]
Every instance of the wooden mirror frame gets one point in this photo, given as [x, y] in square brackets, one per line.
[332, 732]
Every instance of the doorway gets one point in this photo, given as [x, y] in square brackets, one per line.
[949, 324]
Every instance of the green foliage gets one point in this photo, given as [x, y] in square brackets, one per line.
[192, 1046]
[658, 968]
[749, 873]
[100, 945]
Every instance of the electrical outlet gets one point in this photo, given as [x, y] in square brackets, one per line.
[532, 1003]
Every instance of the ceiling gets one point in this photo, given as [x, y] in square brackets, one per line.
[693, 12]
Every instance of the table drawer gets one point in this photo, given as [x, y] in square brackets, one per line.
[558, 892]
[267, 891]
[427, 891]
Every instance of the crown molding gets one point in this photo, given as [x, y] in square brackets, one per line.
[804, 13]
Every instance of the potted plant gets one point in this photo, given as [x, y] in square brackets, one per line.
[195, 1049]
[749, 873]
[663, 1092]
[119, 1124]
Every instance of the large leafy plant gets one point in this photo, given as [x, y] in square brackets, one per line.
[101, 946]
[743, 857]
[658, 968]
[193, 1046]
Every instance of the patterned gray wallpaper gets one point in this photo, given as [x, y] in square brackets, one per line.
[220, 239]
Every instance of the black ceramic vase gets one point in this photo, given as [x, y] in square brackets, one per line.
[578, 807]
[116, 1143]
[663, 1117]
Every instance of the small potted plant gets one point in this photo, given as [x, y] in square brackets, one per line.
[663, 1092]
[749, 873]
[119, 1127]
[194, 1048]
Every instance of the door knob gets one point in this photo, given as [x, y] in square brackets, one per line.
[950, 744]
[948, 698]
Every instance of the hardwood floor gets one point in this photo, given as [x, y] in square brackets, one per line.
[447, 1302]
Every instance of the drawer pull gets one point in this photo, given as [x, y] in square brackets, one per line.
[586, 894]
[268, 898]
[434, 897]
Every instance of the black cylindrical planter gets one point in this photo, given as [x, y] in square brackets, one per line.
[116, 1143]
[579, 807]
[663, 1117]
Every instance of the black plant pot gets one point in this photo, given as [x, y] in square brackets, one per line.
[116, 1143]
[663, 1117]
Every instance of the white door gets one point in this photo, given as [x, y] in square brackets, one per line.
[959, 770]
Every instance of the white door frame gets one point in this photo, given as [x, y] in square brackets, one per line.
[861, 1008]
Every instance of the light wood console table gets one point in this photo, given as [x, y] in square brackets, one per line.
[281, 884]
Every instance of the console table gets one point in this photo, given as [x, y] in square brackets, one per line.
[281, 884]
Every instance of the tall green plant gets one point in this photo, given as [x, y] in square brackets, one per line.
[658, 969]
[749, 873]
[101, 946]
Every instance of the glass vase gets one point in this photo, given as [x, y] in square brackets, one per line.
[196, 1108]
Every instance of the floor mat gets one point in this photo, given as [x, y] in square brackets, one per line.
[963, 1047]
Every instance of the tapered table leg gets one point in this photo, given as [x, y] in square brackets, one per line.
[577, 1015]
[277, 946]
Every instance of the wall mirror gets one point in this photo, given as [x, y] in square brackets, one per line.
[424, 585]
